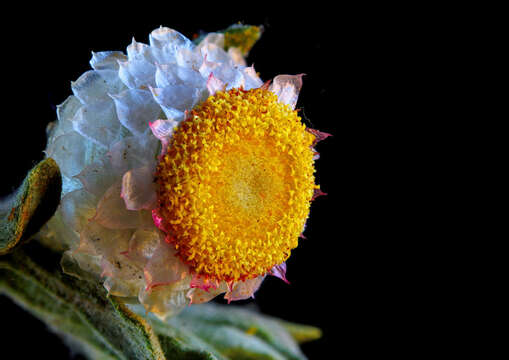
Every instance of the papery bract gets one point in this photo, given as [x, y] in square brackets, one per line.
[119, 126]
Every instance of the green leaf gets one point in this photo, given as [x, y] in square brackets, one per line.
[37, 199]
[103, 327]
[239, 36]
[238, 333]
[242, 37]
[301, 333]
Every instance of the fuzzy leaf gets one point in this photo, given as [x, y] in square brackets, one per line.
[31, 206]
[106, 328]
[242, 37]
[301, 333]
[80, 309]
[238, 333]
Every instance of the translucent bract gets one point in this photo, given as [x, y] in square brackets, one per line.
[184, 176]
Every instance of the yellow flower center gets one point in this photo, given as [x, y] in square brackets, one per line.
[236, 184]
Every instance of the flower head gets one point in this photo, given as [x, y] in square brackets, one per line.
[235, 185]
[185, 176]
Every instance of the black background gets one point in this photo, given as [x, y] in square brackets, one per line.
[339, 279]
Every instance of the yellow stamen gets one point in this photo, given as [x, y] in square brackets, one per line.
[236, 184]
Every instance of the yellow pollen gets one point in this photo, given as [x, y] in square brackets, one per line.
[236, 183]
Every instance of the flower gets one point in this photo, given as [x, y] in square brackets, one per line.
[184, 175]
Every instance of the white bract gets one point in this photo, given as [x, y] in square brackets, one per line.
[106, 142]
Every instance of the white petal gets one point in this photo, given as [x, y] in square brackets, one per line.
[78, 207]
[165, 36]
[199, 296]
[137, 73]
[287, 88]
[125, 75]
[112, 213]
[122, 287]
[231, 76]
[167, 300]
[143, 244]
[139, 51]
[165, 75]
[98, 177]
[279, 271]
[251, 79]
[139, 189]
[207, 67]
[67, 110]
[106, 60]
[165, 43]
[187, 57]
[98, 122]
[190, 77]
[244, 289]
[99, 240]
[163, 130]
[65, 114]
[117, 265]
[133, 152]
[59, 233]
[216, 54]
[214, 84]
[69, 151]
[176, 97]
[236, 56]
[136, 109]
[173, 74]
[216, 39]
[164, 267]
[94, 86]
[81, 265]
[70, 184]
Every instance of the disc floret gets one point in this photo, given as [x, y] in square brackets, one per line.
[235, 184]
